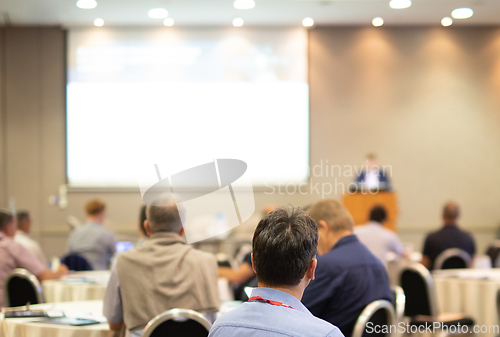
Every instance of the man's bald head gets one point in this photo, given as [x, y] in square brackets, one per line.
[451, 212]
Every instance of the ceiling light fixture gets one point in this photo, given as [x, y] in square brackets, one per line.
[244, 4]
[447, 21]
[158, 13]
[86, 4]
[238, 22]
[308, 22]
[462, 13]
[169, 22]
[400, 4]
[378, 21]
[99, 22]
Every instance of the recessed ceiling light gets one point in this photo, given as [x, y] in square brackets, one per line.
[244, 4]
[238, 22]
[308, 22]
[447, 21]
[86, 4]
[400, 4]
[378, 21]
[99, 22]
[462, 13]
[169, 22]
[158, 13]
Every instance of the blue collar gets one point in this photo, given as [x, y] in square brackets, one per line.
[346, 240]
[280, 296]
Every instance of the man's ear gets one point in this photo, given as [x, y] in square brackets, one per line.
[253, 265]
[147, 228]
[311, 270]
[322, 225]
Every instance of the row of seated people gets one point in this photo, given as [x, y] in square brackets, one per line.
[97, 244]
[382, 242]
[348, 276]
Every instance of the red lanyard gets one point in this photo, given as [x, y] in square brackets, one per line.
[260, 299]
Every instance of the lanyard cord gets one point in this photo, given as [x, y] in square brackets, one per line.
[263, 300]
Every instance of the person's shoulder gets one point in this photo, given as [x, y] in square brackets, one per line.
[331, 264]
[295, 323]
[433, 235]
[202, 257]
[324, 328]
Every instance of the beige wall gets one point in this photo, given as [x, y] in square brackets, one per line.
[426, 100]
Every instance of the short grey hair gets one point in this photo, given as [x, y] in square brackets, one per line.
[333, 213]
[164, 218]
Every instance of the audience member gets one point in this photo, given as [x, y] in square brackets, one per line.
[449, 236]
[143, 236]
[23, 236]
[376, 238]
[162, 274]
[349, 276]
[13, 255]
[284, 249]
[241, 277]
[92, 241]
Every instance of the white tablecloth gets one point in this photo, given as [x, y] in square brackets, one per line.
[469, 291]
[24, 327]
[79, 286]
[91, 285]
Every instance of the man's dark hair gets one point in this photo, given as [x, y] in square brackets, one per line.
[21, 217]
[6, 217]
[378, 214]
[142, 218]
[284, 243]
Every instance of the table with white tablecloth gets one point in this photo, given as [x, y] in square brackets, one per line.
[15, 327]
[472, 292]
[78, 286]
[91, 285]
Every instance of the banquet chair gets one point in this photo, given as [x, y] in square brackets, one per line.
[452, 258]
[498, 304]
[421, 300]
[22, 287]
[76, 262]
[178, 323]
[399, 302]
[378, 313]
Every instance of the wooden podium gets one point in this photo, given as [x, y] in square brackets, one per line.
[360, 204]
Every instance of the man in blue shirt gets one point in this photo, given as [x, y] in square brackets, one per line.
[349, 276]
[284, 249]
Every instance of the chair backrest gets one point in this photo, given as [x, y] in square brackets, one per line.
[419, 289]
[178, 323]
[399, 302]
[378, 313]
[22, 287]
[76, 262]
[498, 304]
[494, 253]
[452, 258]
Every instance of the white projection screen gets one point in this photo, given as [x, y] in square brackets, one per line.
[177, 98]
